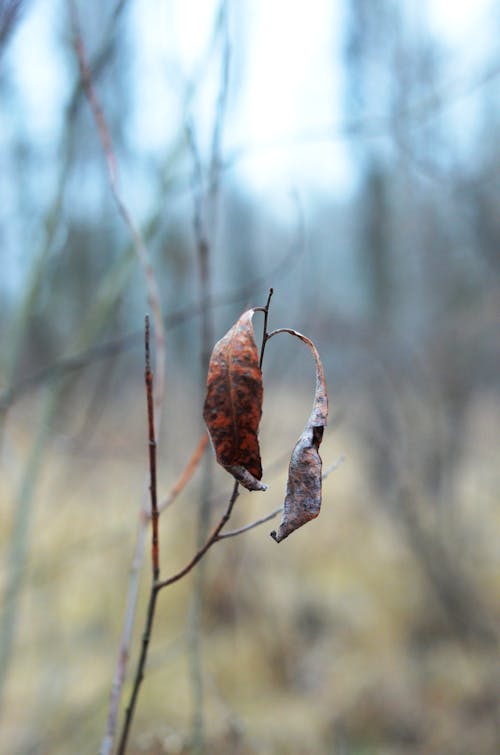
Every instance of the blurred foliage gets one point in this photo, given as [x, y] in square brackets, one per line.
[335, 641]
[373, 630]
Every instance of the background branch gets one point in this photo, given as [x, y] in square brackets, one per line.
[155, 305]
[186, 474]
[205, 189]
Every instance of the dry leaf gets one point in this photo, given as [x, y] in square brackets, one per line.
[303, 490]
[233, 404]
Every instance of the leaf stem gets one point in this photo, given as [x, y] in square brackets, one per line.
[213, 538]
[265, 334]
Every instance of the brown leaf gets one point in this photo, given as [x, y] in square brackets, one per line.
[233, 404]
[303, 490]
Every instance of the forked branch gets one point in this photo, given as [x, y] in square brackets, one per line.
[157, 583]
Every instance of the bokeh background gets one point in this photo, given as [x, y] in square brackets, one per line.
[346, 153]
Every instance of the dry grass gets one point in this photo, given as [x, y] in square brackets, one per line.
[330, 642]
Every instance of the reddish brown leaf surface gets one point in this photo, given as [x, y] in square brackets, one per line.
[233, 404]
[303, 490]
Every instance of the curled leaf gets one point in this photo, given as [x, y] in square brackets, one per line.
[303, 490]
[233, 404]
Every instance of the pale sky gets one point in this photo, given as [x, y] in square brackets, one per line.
[287, 59]
[289, 80]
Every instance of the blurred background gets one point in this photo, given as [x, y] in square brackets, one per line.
[345, 153]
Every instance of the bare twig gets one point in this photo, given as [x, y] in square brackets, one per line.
[10, 14]
[206, 197]
[16, 386]
[18, 543]
[97, 314]
[112, 171]
[265, 334]
[22, 385]
[186, 473]
[156, 587]
[206, 339]
[120, 344]
[155, 305]
[213, 538]
[333, 467]
[146, 636]
[155, 557]
[125, 640]
[216, 150]
[233, 533]
[148, 378]
[159, 584]
[252, 525]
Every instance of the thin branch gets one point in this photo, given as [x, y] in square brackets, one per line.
[100, 59]
[148, 378]
[155, 305]
[333, 467]
[265, 334]
[146, 636]
[10, 15]
[97, 112]
[156, 587]
[125, 640]
[186, 474]
[252, 525]
[206, 199]
[112, 171]
[18, 542]
[215, 158]
[232, 533]
[52, 220]
[213, 538]
[158, 584]
[120, 344]
[155, 558]
[196, 180]
[203, 249]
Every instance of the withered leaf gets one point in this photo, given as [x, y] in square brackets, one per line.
[303, 490]
[233, 404]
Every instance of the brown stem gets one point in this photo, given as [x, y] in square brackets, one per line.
[148, 377]
[265, 334]
[186, 473]
[139, 674]
[252, 525]
[213, 538]
[155, 551]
